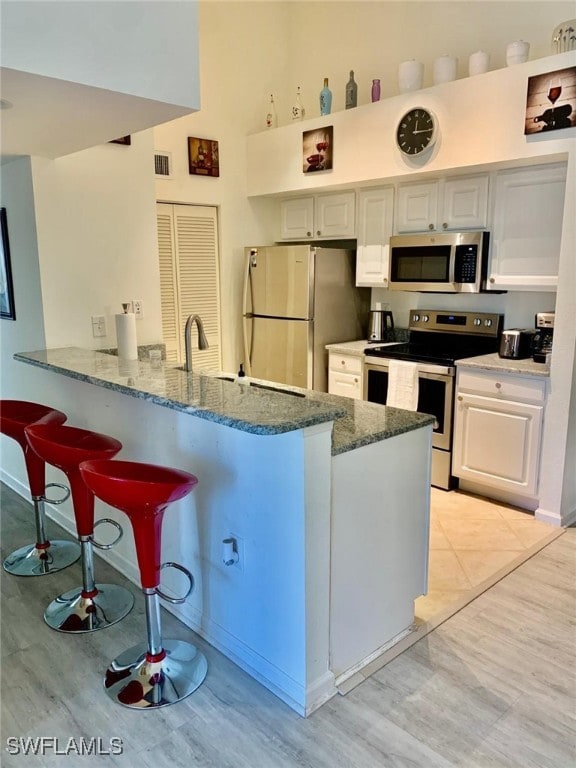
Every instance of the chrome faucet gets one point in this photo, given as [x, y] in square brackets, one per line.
[202, 340]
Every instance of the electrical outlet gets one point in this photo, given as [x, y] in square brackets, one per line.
[138, 306]
[239, 547]
[98, 325]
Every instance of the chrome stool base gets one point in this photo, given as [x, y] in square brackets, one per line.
[31, 561]
[133, 681]
[75, 614]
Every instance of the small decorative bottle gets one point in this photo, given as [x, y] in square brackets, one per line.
[375, 90]
[272, 117]
[325, 99]
[297, 108]
[351, 92]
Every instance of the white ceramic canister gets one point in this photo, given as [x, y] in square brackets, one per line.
[410, 76]
[517, 52]
[445, 69]
[478, 63]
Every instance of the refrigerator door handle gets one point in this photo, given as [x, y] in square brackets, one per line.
[247, 312]
[248, 343]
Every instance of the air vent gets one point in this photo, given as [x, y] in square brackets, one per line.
[163, 165]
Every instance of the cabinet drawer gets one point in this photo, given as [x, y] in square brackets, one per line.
[345, 384]
[345, 363]
[502, 385]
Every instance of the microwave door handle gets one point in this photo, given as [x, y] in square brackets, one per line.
[452, 267]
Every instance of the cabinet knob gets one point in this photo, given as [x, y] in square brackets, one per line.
[430, 226]
[492, 279]
[355, 381]
[318, 232]
[309, 234]
[498, 385]
[342, 362]
[444, 225]
[460, 398]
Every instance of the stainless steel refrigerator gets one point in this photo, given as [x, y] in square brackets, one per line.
[297, 299]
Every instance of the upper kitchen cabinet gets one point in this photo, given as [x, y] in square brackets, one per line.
[375, 222]
[527, 228]
[447, 204]
[320, 217]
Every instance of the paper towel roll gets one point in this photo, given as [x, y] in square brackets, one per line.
[126, 336]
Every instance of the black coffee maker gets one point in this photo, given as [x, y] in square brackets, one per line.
[542, 341]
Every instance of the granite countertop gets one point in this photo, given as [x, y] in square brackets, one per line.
[253, 406]
[493, 362]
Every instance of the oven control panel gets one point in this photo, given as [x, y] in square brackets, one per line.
[476, 323]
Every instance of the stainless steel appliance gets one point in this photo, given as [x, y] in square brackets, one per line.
[454, 262]
[297, 299]
[543, 337]
[516, 343]
[380, 325]
[436, 340]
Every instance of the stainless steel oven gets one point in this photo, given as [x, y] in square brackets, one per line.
[436, 340]
[435, 396]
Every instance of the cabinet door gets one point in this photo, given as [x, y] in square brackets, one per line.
[375, 221]
[465, 203]
[297, 218]
[335, 216]
[497, 443]
[417, 207]
[528, 213]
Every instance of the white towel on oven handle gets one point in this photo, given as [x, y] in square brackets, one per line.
[402, 385]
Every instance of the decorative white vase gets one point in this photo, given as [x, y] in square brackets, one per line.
[410, 76]
[517, 52]
[445, 69]
[478, 63]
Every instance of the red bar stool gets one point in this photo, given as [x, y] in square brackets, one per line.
[159, 672]
[94, 606]
[44, 556]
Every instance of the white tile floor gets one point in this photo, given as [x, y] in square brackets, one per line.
[472, 539]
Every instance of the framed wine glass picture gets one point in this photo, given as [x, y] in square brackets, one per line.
[7, 309]
[317, 149]
[551, 101]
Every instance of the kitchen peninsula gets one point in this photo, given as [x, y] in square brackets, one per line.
[326, 497]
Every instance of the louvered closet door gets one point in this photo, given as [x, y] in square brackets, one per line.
[188, 253]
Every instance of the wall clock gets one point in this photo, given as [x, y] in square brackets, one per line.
[416, 131]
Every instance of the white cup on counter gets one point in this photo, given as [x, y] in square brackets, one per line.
[517, 52]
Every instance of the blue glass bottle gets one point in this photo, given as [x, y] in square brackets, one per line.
[325, 99]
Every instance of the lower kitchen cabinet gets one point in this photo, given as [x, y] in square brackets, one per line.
[345, 375]
[498, 429]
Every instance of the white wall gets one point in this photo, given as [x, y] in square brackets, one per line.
[121, 46]
[97, 242]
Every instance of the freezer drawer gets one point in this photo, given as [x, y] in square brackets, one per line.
[280, 350]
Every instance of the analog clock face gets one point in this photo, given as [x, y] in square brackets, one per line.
[416, 131]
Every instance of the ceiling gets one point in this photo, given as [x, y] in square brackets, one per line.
[50, 118]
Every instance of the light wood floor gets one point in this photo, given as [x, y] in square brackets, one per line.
[492, 687]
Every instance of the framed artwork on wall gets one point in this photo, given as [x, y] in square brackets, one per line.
[317, 149]
[551, 101]
[203, 157]
[7, 309]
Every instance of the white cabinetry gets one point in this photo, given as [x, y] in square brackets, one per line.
[452, 203]
[375, 222]
[321, 217]
[345, 375]
[497, 430]
[527, 229]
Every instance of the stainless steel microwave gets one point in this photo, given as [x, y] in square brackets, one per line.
[447, 262]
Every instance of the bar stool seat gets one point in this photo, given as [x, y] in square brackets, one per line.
[92, 606]
[160, 672]
[45, 556]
